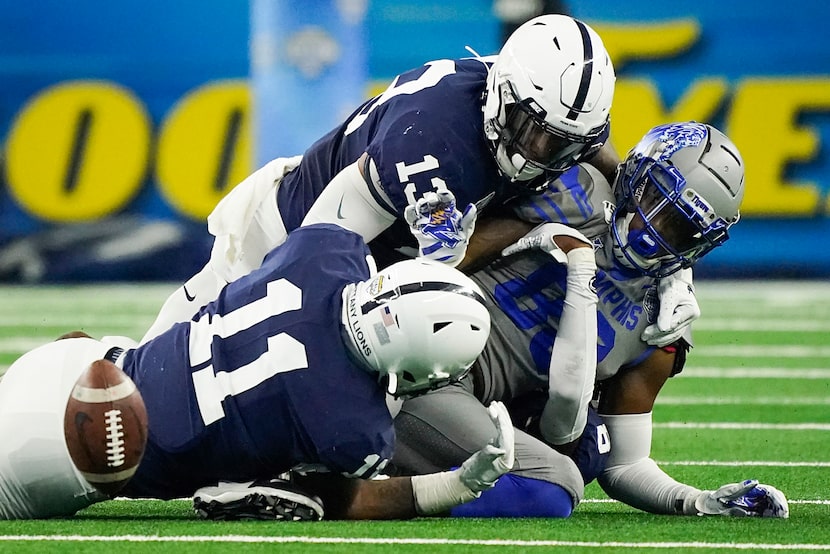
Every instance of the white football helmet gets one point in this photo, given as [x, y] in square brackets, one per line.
[678, 192]
[548, 97]
[420, 322]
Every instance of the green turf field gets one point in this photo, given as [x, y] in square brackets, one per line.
[753, 402]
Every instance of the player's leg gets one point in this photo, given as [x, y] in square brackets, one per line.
[541, 464]
[186, 301]
[594, 446]
[443, 428]
[246, 225]
[37, 476]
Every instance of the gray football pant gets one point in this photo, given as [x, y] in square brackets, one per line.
[441, 429]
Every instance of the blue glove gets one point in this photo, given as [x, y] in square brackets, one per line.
[441, 230]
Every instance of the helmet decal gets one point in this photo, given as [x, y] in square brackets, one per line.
[673, 137]
[422, 323]
[587, 70]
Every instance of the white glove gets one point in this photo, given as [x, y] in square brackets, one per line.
[678, 309]
[441, 230]
[542, 238]
[481, 470]
[744, 499]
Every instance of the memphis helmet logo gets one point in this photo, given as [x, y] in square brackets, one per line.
[671, 138]
[704, 211]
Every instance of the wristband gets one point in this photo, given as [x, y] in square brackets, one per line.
[438, 492]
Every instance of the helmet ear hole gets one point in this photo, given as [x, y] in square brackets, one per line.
[407, 376]
[440, 325]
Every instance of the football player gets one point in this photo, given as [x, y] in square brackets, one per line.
[411, 167]
[289, 366]
[569, 307]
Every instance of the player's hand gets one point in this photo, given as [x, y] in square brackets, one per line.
[481, 470]
[441, 230]
[745, 499]
[542, 237]
[678, 309]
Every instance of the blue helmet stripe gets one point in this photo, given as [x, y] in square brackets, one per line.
[587, 69]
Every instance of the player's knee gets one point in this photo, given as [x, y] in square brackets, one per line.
[516, 496]
[591, 455]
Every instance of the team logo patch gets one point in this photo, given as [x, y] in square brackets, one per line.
[651, 304]
[441, 215]
[375, 286]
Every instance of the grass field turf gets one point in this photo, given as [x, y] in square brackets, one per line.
[754, 401]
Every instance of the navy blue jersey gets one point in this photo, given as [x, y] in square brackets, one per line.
[424, 133]
[260, 380]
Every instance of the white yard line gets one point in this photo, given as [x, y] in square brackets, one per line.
[706, 323]
[789, 501]
[694, 372]
[736, 463]
[744, 426]
[408, 541]
[762, 351]
[743, 401]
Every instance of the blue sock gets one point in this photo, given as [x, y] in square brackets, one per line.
[515, 496]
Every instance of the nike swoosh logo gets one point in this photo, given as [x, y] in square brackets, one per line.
[340, 208]
[187, 294]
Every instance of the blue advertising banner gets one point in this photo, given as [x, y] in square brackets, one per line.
[308, 71]
[122, 124]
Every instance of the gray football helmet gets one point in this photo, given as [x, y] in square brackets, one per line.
[678, 192]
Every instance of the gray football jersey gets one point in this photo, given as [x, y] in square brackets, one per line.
[527, 294]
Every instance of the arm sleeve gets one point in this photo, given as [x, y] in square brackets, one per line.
[632, 477]
[349, 202]
[574, 356]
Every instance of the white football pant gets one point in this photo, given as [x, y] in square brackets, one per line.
[37, 476]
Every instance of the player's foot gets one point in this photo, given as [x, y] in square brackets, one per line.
[274, 499]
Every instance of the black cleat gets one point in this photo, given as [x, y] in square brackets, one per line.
[270, 499]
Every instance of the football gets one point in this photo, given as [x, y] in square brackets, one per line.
[105, 426]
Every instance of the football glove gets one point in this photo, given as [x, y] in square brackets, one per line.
[678, 309]
[744, 499]
[481, 470]
[542, 238]
[441, 230]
